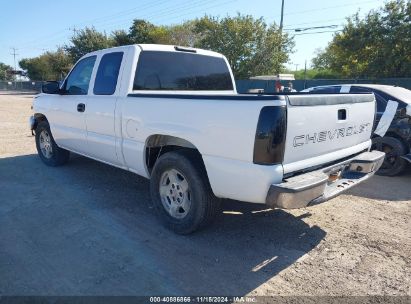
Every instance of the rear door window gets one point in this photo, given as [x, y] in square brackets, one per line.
[158, 70]
[107, 74]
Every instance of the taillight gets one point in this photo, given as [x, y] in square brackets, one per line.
[269, 141]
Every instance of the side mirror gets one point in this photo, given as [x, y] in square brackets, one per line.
[51, 87]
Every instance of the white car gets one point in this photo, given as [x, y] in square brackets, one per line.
[172, 114]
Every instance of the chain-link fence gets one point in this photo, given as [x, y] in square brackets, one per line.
[269, 85]
[21, 86]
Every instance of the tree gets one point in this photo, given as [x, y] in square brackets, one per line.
[141, 31]
[314, 74]
[120, 37]
[379, 45]
[183, 34]
[145, 32]
[5, 72]
[48, 66]
[87, 40]
[251, 47]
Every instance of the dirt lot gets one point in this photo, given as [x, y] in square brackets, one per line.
[89, 229]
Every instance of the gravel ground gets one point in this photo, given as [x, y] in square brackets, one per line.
[89, 229]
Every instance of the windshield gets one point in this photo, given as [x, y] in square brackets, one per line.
[399, 93]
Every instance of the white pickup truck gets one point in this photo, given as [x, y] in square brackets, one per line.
[172, 114]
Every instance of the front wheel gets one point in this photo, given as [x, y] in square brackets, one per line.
[181, 193]
[47, 148]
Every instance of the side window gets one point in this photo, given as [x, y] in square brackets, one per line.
[381, 103]
[326, 90]
[359, 90]
[107, 74]
[79, 79]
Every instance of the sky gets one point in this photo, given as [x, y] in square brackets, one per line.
[35, 26]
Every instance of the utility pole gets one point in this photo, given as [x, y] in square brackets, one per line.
[296, 66]
[15, 65]
[282, 16]
[281, 31]
[14, 57]
[305, 74]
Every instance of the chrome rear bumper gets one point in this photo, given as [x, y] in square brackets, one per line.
[321, 185]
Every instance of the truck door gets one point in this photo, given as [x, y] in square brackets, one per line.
[67, 119]
[101, 106]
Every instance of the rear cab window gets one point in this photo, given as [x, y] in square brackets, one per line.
[181, 71]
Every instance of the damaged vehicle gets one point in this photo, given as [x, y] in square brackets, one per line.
[392, 126]
[173, 115]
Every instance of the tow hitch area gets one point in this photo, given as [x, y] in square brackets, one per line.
[321, 185]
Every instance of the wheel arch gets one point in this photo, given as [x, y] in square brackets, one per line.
[38, 117]
[158, 144]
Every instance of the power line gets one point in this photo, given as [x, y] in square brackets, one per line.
[59, 33]
[124, 12]
[43, 38]
[327, 8]
[313, 28]
[183, 7]
[193, 12]
[187, 6]
[169, 11]
[188, 9]
[317, 33]
[159, 13]
[314, 22]
[138, 10]
[74, 30]
[331, 7]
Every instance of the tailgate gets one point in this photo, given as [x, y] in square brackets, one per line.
[326, 127]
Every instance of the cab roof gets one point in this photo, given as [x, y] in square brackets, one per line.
[176, 48]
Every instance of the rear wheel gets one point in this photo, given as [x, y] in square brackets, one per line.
[181, 193]
[47, 148]
[393, 149]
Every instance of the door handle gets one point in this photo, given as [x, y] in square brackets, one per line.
[81, 107]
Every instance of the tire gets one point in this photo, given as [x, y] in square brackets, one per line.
[181, 193]
[393, 148]
[47, 148]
